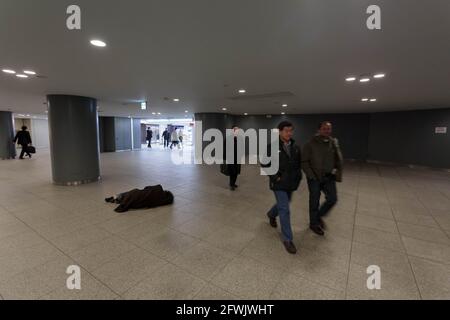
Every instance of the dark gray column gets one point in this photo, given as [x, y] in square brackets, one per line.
[7, 148]
[74, 146]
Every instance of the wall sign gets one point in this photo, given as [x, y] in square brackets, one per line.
[440, 130]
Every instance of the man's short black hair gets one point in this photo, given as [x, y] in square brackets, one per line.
[323, 123]
[284, 124]
[24, 128]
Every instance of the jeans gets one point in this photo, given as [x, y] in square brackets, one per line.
[327, 185]
[281, 208]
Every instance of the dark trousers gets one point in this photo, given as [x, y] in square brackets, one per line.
[233, 178]
[281, 209]
[327, 185]
[24, 150]
[166, 143]
[149, 143]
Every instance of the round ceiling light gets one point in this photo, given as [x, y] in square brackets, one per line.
[98, 43]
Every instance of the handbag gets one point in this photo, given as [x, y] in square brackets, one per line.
[224, 169]
[31, 149]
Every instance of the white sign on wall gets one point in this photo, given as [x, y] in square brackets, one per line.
[440, 130]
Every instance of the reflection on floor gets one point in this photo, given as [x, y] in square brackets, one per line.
[216, 244]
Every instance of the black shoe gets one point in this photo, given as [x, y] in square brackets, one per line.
[110, 199]
[272, 221]
[235, 186]
[290, 247]
[232, 188]
[322, 224]
[317, 230]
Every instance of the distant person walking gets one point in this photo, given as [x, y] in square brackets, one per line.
[285, 182]
[166, 138]
[23, 138]
[180, 137]
[174, 138]
[233, 169]
[322, 163]
[149, 137]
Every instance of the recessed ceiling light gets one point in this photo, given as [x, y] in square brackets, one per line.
[246, 114]
[21, 76]
[9, 71]
[159, 113]
[373, 100]
[153, 113]
[28, 115]
[144, 105]
[176, 100]
[365, 79]
[186, 111]
[29, 72]
[379, 75]
[283, 113]
[242, 91]
[224, 109]
[365, 99]
[98, 43]
[284, 105]
[350, 79]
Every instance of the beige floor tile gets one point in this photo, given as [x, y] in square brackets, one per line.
[428, 250]
[432, 278]
[204, 260]
[376, 223]
[248, 279]
[211, 292]
[99, 253]
[423, 233]
[299, 288]
[168, 283]
[230, 239]
[377, 238]
[394, 286]
[128, 269]
[36, 282]
[388, 260]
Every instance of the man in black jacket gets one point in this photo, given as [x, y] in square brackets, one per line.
[24, 139]
[284, 182]
[149, 137]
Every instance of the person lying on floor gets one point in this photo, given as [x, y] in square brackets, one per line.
[149, 197]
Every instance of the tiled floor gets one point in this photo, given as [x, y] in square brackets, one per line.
[216, 244]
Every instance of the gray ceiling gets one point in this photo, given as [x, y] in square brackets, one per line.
[203, 51]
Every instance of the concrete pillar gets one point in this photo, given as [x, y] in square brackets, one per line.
[74, 143]
[7, 148]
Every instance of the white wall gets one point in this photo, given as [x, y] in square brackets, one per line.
[39, 133]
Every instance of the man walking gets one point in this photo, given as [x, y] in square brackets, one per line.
[24, 139]
[166, 136]
[285, 182]
[149, 137]
[322, 163]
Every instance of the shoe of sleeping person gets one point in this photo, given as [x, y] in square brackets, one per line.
[110, 199]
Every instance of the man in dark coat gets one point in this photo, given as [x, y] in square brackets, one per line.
[149, 137]
[24, 139]
[285, 182]
[149, 197]
[323, 164]
[166, 137]
[234, 168]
